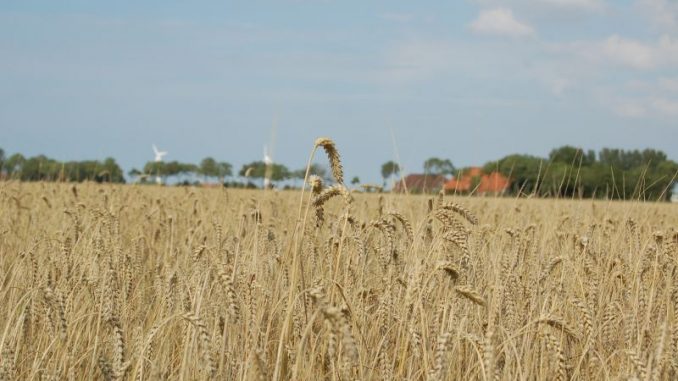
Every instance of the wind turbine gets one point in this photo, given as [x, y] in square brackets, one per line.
[158, 158]
[268, 161]
[158, 154]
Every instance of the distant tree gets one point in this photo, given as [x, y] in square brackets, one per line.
[136, 175]
[626, 160]
[209, 168]
[572, 156]
[14, 164]
[224, 170]
[35, 168]
[437, 166]
[188, 170]
[156, 169]
[653, 158]
[257, 170]
[110, 171]
[315, 169]
[2, 160]
[388, 169]
[355, 180]
[523, 171]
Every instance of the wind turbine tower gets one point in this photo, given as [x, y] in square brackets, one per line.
[268, 161]
[159, 155]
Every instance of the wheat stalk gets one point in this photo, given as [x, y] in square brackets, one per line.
[333, 156]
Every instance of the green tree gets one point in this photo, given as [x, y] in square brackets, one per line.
[522, 170]
[653, 158]
[136, 175]
[14, 164]
[257, 170]
[209, 168]
[388, 169]
[156, 169]
[188, 170]
[437, 166]
[315, 169]
[109, 171]
[572, 156]
[224, 170]
[355, 180]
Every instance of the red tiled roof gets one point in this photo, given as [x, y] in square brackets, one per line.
[494, 182]
[420, 183]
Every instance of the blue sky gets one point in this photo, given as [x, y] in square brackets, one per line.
[466, 80]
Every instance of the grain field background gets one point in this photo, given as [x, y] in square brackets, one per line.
[148, 283]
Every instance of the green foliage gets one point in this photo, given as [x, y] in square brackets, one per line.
[437, 166]
[389, 169]
[572, 156]
[626, 160]
[42, 168]
[568, 172]
[258, 171]
[209, 167]
[571, 172]
[14, 164]
[224, 169]
[523, 170]
[134, 172]
[170, 168]
[315, 169]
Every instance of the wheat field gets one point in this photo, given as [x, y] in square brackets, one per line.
[151, 283]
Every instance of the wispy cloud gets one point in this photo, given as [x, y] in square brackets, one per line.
[645, 107]
[665, 106]
[500, 22]
[663, 13]
[628, 52]
[669, 84]
[575, 4]
[625, 52]
[629, 108]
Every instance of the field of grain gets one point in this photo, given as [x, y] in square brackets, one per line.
[149, 283]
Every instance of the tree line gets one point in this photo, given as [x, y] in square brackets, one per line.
[42, 168]
[573, 172]
[567, 172]
[211, 170]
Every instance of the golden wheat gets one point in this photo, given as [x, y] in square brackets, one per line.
[146, 282]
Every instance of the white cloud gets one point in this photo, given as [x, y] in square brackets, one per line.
[642, 55]
[644, 107]
[575, 4]
[669, 84]
[625, 52]
[665, 106]
[629, 109]
[541, 7]
[500, 22]
[559, 86]
[629, 52]
[664, 13]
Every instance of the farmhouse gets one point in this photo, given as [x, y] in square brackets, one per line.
[478, 182]
[420, 183]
